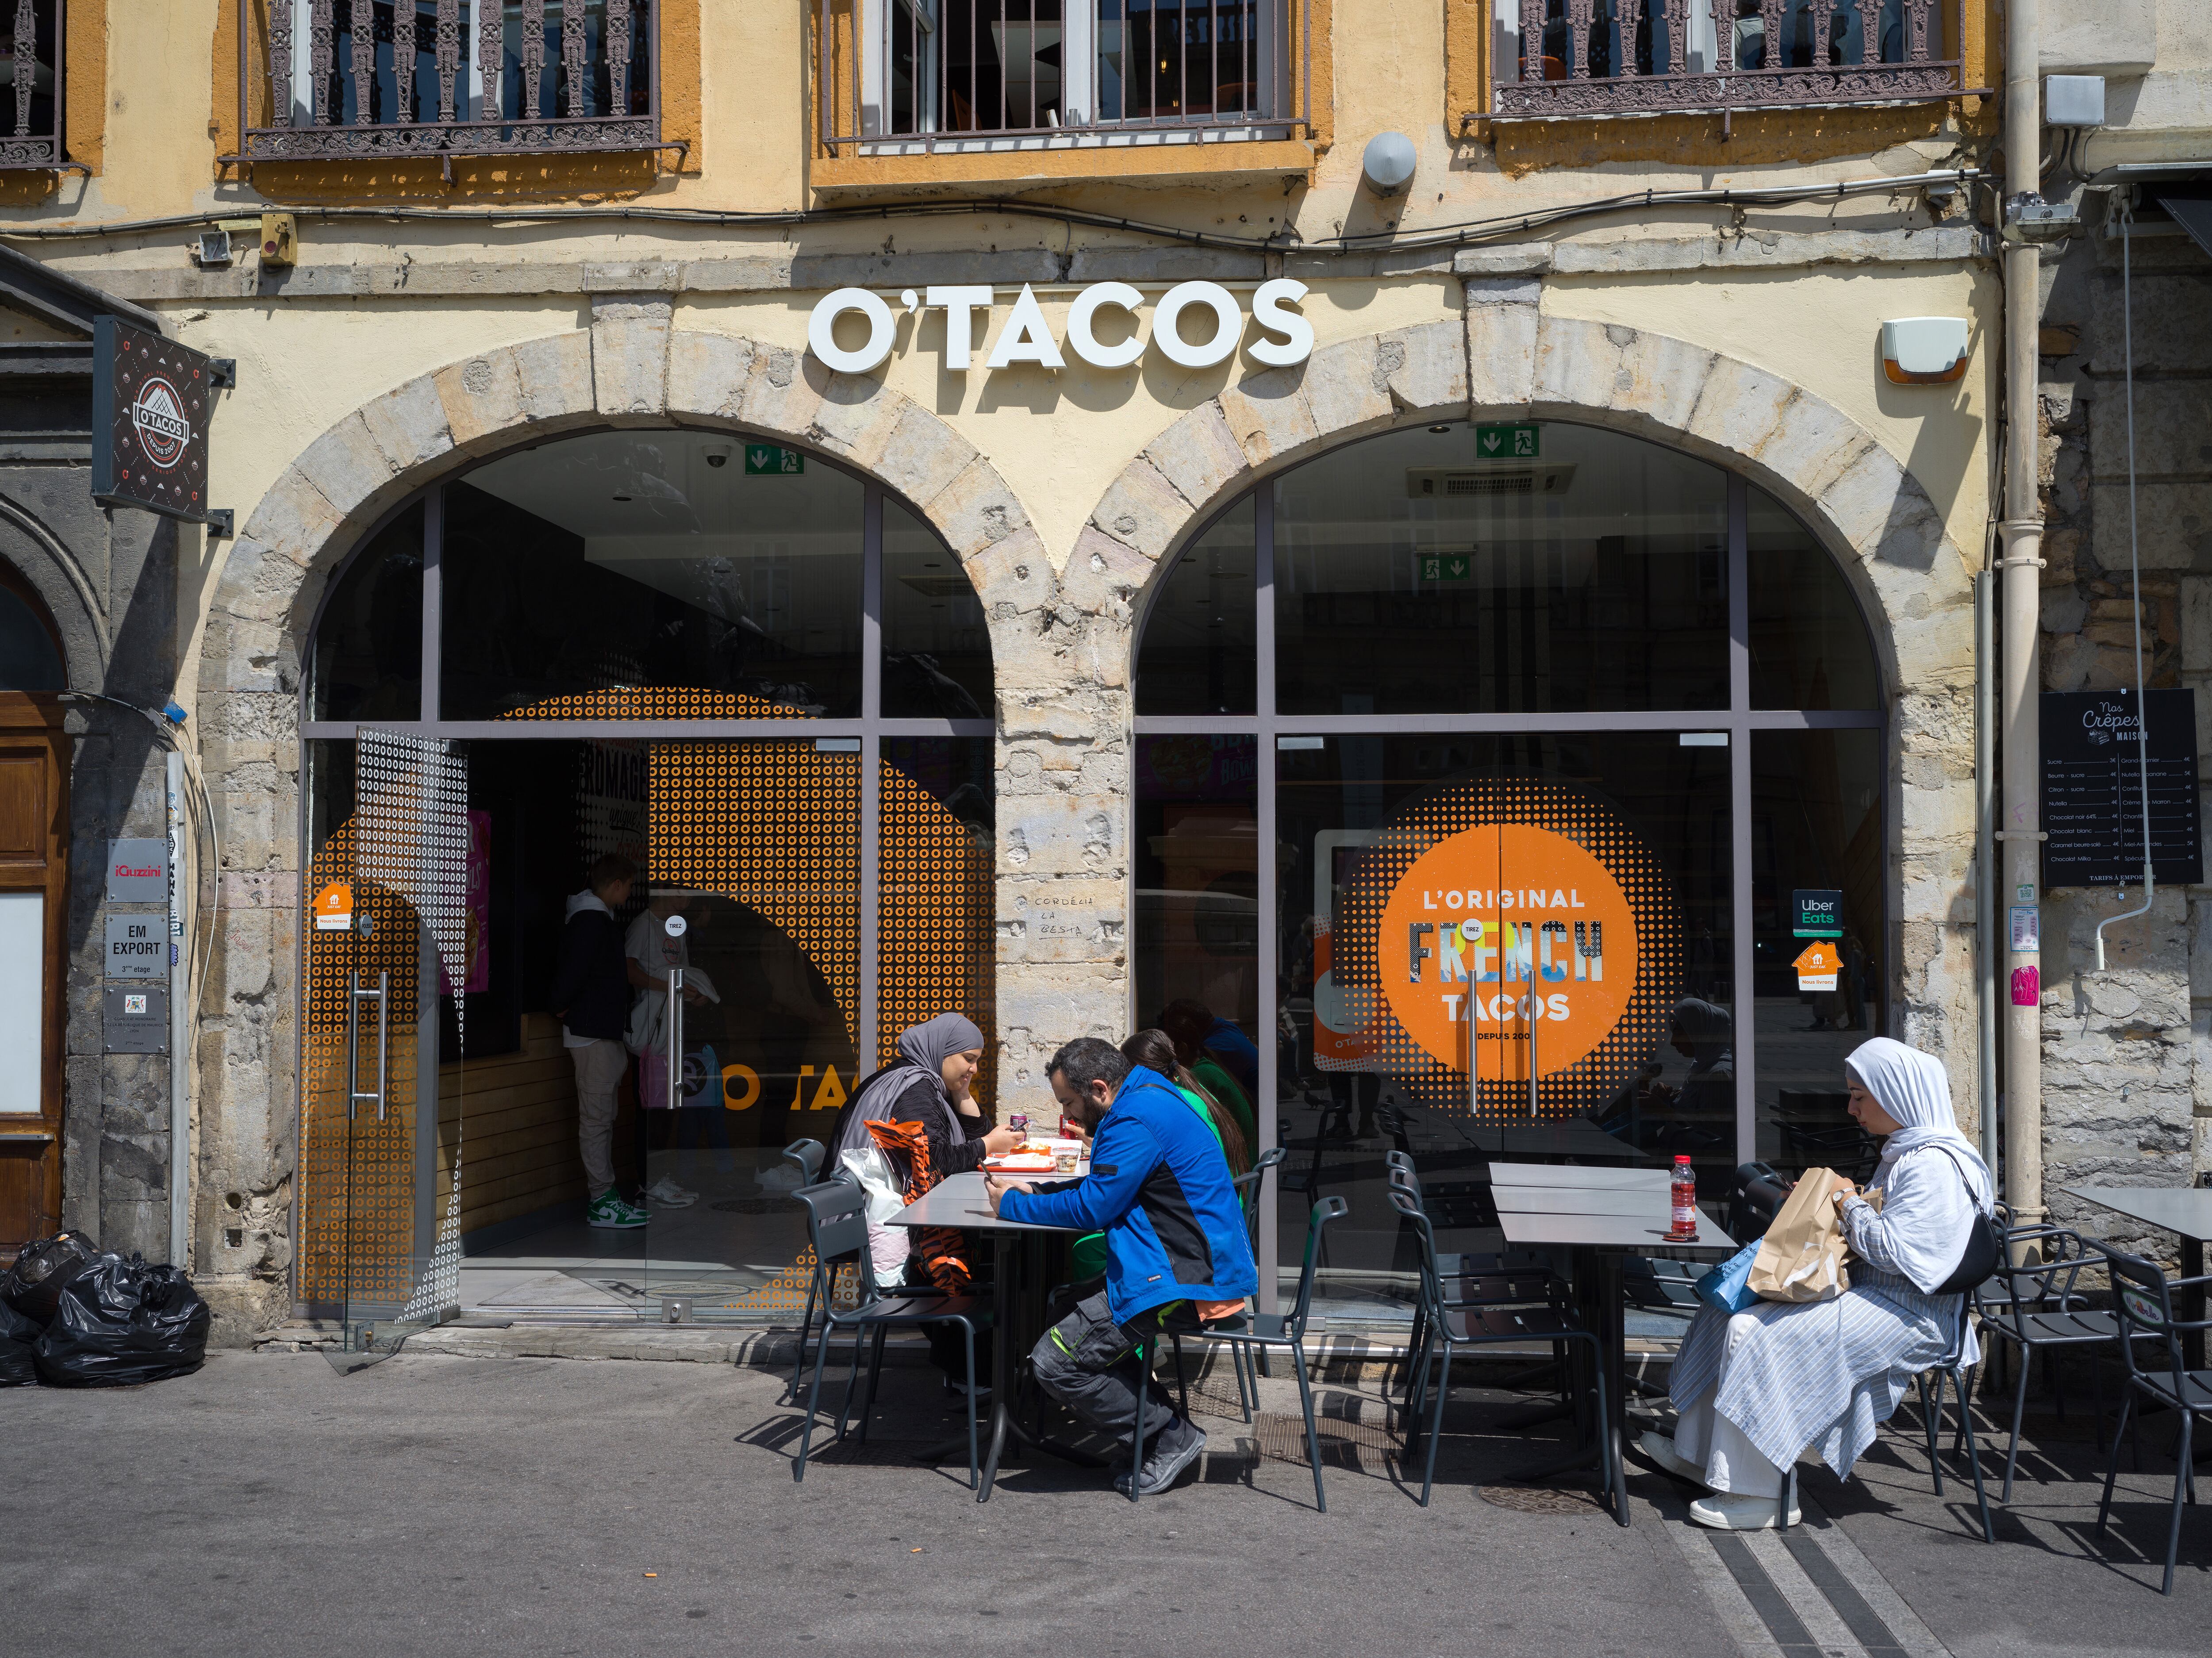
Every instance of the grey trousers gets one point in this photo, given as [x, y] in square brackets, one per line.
[1090, 1364]
[599, 1071]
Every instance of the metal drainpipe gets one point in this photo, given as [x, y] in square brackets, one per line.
[2021, 532]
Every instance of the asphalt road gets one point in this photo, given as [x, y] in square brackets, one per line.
[430, 1505]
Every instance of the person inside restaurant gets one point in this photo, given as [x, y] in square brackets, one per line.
[1755, 1388]
[1176, 1251]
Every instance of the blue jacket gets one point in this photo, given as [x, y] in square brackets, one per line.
[1160, 1190]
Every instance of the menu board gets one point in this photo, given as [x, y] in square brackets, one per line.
[2092, 795]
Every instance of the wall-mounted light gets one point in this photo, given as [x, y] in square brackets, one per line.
[1924, 350]
[1387, 163]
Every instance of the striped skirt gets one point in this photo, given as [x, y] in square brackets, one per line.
[1824, 1373]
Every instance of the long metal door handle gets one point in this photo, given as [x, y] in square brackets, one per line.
[383, 1038]
[675, 1037]
[355, 997]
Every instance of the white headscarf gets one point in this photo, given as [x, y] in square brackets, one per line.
[1914, 1089]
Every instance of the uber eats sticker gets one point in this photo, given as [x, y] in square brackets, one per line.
[1498, 919]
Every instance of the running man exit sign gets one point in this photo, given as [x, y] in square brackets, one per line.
[1507, 442]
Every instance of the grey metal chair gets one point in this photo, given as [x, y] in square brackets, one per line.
[2037, 1308]
[1451, 1326]
[1948, 1368]
[837, 1226]
[807, 1156]
[1259, 1332]
[2143, 1297]
[1500, 1278]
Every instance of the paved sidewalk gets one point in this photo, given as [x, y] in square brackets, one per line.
[434, 1504]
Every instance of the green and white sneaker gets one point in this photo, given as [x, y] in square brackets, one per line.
[610, 1211]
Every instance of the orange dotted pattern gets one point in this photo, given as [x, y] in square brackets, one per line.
[1592, 823]
[658, 702]
[936, 951]
[774, 826]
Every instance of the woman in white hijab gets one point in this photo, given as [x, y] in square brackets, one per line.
[1754, 1389]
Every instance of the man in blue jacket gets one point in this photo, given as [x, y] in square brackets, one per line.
[1176, 1251]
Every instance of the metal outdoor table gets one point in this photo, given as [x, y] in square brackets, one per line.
[1019, 1293]
[1603, 1216]
[2185, 1210]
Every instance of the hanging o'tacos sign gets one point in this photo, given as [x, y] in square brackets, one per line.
[1193, 325]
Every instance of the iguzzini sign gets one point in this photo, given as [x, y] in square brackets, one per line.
[1193, 325]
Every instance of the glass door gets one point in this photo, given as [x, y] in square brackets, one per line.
[381, 1168]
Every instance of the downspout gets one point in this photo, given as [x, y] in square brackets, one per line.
[1987, 997]
[2020, 531]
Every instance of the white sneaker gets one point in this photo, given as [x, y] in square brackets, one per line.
[782, 1178]
[1660, 1448]
[1725, 1511]
[669, 1196]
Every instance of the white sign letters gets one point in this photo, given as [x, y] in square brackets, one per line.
[1285, 337]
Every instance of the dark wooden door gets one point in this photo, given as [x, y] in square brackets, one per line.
[34, 963]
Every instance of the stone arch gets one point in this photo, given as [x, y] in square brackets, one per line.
[1914, 582]
[1507, 355]
[51, 571]
[630, 368]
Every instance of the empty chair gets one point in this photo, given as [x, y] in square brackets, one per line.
[1260, 1331]
[1453, 1324]
[806, 1157]
[1498, 1278]
[837, 1226]
[2142, 1295]
[2036, 1309]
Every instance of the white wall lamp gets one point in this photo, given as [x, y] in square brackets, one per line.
[1924, 350]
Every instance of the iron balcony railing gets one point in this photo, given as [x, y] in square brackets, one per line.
[1576, 58]
[33, 138]
[922, 76]
[391, 79]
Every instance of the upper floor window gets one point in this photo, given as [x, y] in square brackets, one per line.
[448, 77]
[918, 76]
[1568, 59]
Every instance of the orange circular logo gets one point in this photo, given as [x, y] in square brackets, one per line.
[1501, 928]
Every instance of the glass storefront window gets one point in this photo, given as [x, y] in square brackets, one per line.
[1809, 641]
[1429, 886]
[937, 652]
[1816, 827]
[368, 645]
[1419, 574]
[1199, 634]
[1506, 907]
[658, 561]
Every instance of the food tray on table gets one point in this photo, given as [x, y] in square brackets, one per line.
[1033, 1157]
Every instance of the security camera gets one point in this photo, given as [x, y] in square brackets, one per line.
[718, 457]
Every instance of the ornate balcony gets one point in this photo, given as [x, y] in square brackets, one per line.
[393, 79]
[32, 140]
[1577, 58]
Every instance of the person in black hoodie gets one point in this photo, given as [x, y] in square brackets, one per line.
[591, 995]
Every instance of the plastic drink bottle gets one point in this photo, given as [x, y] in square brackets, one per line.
[1685, 1227]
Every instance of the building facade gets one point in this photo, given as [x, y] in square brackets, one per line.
[1061, 510]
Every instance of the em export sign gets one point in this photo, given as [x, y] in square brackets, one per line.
[1285, 337]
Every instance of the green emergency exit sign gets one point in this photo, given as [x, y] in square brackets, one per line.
[1507, 442]
[1447, 566]
[767, 460]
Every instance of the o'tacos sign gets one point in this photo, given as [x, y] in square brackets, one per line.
[151, 398]
[1110, 325]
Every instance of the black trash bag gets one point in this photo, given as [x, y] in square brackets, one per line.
[17, 1333]
[33, 1286]
[124, 1321]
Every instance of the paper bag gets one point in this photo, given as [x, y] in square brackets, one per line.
[1802, 1256]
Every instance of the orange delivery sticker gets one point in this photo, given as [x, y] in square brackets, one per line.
[334, 907]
